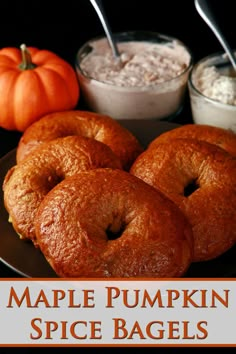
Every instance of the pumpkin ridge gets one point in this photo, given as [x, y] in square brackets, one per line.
[36, 98]
[65, 99]
[71, 88]
[44, 56]
[8, 95]
[11, 53]
[6, 62]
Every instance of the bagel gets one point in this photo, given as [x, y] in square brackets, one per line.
[226, 139]
[92, 125]
[108, 223]
[26, 184]
[210, 205]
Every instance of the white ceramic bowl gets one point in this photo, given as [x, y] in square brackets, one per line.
[212, 92]
[153, 101]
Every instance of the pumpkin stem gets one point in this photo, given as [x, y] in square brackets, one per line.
[26, 63]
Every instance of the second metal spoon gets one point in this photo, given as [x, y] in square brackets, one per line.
[205, 13]
[97, 4]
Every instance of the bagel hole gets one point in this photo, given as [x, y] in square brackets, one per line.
[114, 234]
[191, 187]
[53, 180]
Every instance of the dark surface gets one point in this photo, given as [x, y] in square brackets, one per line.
[65, 26]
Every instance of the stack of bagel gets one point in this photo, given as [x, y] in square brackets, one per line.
[97, 204]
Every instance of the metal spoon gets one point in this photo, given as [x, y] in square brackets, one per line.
[205, 13]
[97, 4]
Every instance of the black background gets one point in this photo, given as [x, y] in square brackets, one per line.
[64, 26]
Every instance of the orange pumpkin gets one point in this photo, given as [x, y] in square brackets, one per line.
[33, 83]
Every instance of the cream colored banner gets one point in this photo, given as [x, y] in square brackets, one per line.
[117, 312]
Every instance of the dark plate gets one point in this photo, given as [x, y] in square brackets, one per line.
[28, 261]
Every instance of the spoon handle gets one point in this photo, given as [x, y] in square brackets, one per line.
[97, 4]
[205, 13]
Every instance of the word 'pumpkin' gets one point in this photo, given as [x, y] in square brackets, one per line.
[33, 83]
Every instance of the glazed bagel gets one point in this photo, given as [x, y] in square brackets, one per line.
[88, 124]
[108, 223]
[226, 139]
[26, 184]
[201, 179]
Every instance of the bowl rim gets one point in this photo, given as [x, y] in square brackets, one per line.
[165, 37]
[191, 85]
